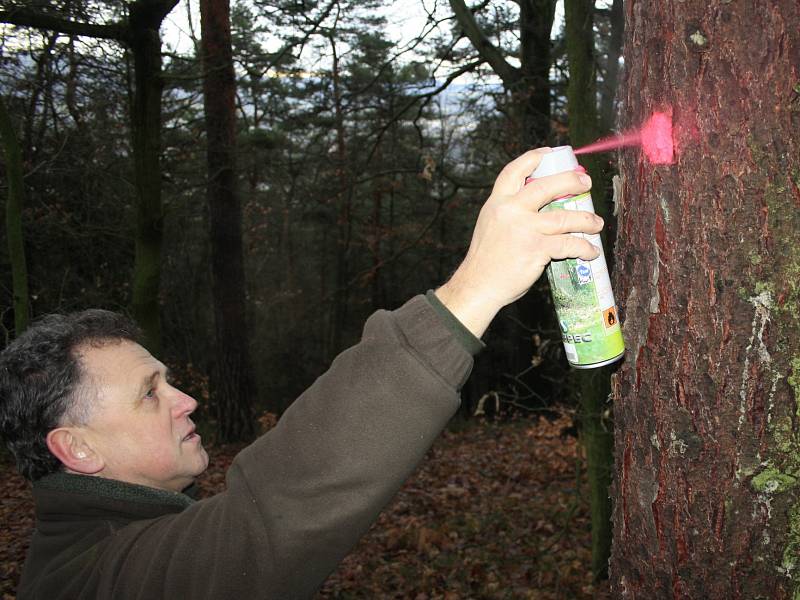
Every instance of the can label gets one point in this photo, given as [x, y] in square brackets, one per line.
[584, 300]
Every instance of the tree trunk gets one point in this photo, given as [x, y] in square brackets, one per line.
[145, 45]
[377, 289]
[592, 387]
[608, 93]
[533, 91]
[343, 219]
[707, 501]
[14, 204]
[233, 381]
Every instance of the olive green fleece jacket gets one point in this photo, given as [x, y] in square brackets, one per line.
[297, 499]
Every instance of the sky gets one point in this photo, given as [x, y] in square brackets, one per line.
[405, 20]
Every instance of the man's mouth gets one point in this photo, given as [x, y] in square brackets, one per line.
[192, 436]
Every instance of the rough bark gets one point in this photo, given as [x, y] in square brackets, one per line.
[707, 502]
[14, 204]
[233, 381]
[594, 386]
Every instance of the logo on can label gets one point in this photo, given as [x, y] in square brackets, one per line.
[584, 272]
[587, 313]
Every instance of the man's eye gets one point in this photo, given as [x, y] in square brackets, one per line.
[151, 393]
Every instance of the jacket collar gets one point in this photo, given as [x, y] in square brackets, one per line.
[62, 494]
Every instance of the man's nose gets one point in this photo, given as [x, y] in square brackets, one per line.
[184, 403]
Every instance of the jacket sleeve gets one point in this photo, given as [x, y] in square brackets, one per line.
[300, 497]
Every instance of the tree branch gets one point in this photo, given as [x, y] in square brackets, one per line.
[153, 11]
[416, 98]
[488, 51]
[25, 17]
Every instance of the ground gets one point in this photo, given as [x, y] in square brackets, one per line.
[495, 511]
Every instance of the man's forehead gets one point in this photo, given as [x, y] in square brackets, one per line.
[117, 361]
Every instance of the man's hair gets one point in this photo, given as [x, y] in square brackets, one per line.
[43, 384]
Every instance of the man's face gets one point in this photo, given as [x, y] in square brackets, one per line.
[139, 424]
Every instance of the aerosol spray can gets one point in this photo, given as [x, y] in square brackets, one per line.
[581, 289]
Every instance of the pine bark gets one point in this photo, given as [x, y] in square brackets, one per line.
[233, 381]
[707, 502]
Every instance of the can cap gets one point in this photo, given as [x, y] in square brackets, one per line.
[560, 160]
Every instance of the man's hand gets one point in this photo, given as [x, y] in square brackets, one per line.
[513, 242]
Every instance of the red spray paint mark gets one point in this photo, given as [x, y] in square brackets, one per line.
[655, 138]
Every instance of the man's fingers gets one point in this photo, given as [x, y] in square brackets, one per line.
[568, 221]
[512, 177]
[569, 246]
[540, 192]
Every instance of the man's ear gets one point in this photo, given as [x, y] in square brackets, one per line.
[68, 445]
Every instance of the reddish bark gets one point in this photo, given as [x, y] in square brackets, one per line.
[708, 444]
[233, 382]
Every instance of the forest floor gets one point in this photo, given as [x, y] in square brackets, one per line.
[495, 511]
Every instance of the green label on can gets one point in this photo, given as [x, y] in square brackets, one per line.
[584, 301]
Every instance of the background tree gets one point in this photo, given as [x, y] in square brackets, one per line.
[528, 85]
[144, 22]
[140, 33]
[232, 381]
[591, 387]
[14, 204]
[707, 501]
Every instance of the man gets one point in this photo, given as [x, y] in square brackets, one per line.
[92, 419]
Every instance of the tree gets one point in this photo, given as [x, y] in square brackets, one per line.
[707, 501]
[140, 33]
[529, 84]
[592, 387]
[14, 204]
[144, 39]
[610, 36]
[233, 381]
